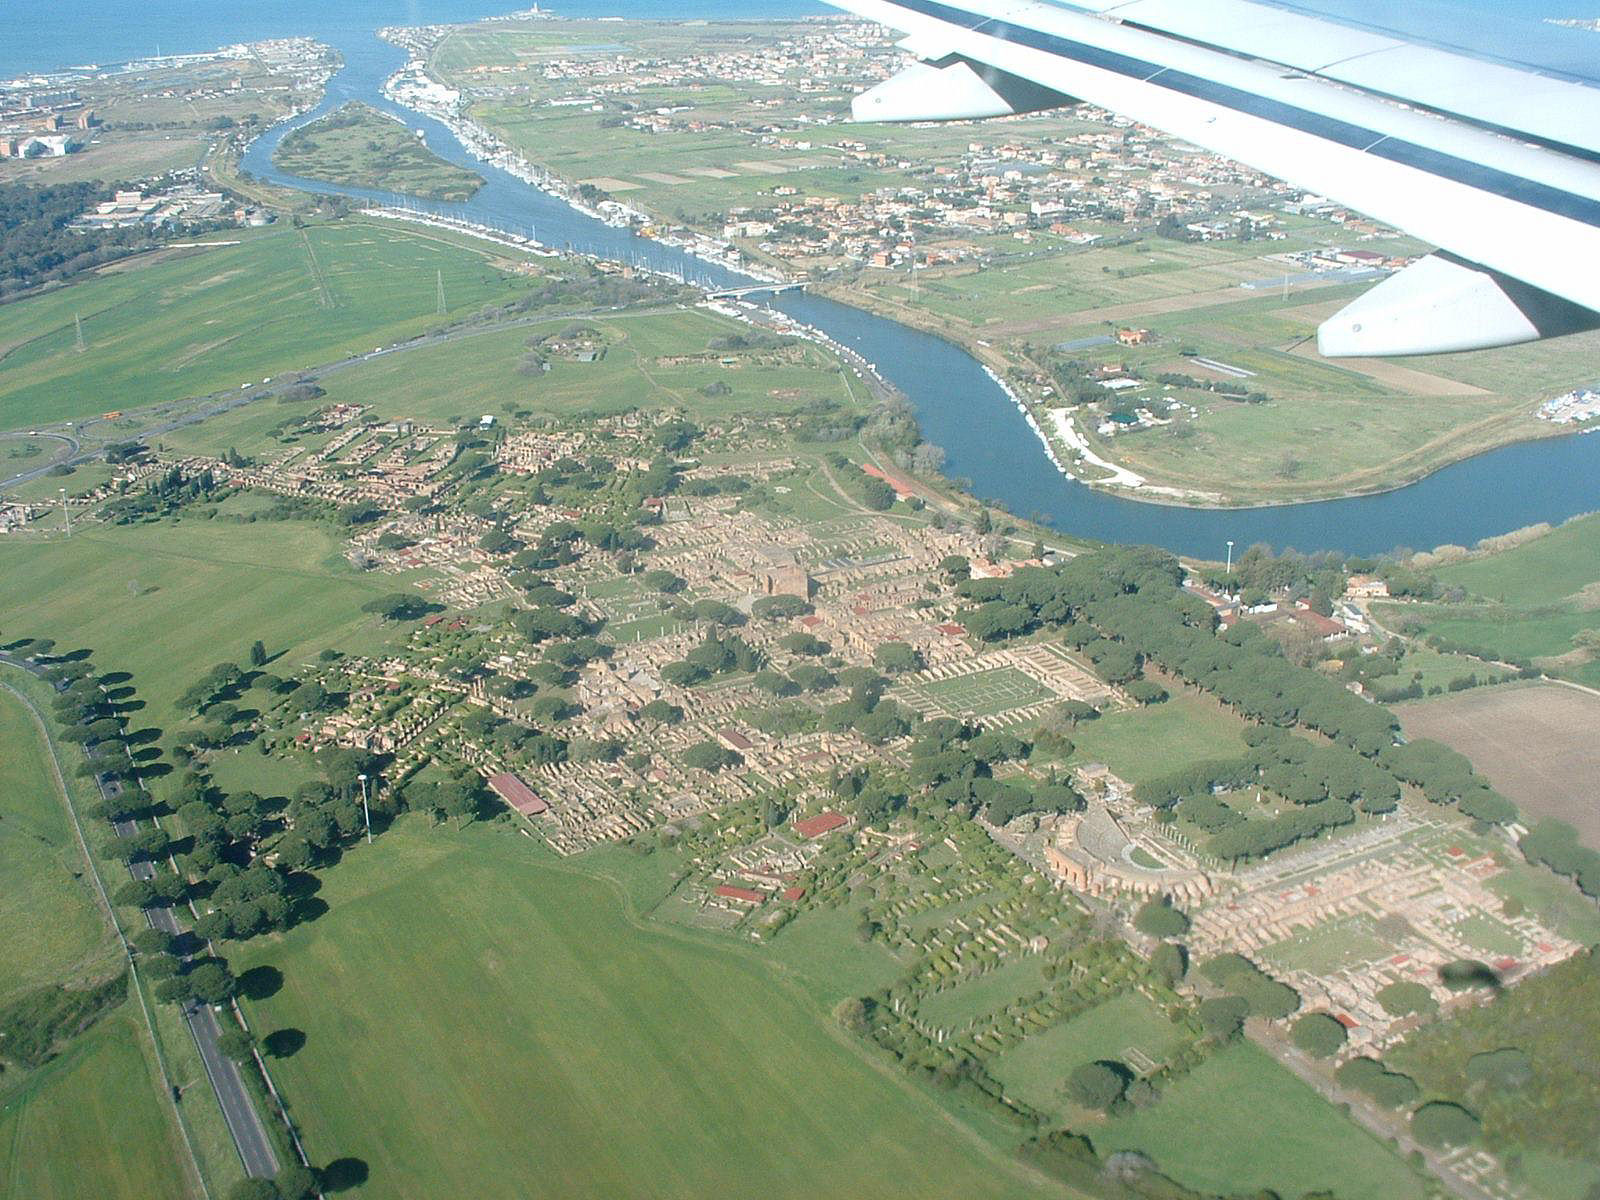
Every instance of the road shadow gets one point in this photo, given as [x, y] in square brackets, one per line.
[342, 1174]
[260, 983]
[1469, 973]
[284, 1043]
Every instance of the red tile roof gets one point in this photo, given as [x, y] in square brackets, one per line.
[517, 794]
[793, 893]
[743, 895]
[820, 824]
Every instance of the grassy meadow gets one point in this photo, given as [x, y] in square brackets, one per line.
[181, 323]
[1150, 742]
[1530, 601]
[483, 374]
[167, 601]
[51, 927]
[90, 1123]
[479, 1020]
[1239, 1121]
[360, 146]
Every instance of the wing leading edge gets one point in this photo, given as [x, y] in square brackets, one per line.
[1518, 217]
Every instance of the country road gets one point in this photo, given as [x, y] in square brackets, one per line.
[249, 1134]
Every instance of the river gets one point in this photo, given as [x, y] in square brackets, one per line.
[961, 408]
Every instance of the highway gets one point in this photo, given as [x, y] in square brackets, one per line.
[249, 1134]
[71, 455]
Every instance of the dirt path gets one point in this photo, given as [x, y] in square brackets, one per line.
[1396, 375]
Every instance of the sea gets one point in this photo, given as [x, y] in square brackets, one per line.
[45, 35]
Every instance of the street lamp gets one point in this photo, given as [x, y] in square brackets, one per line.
[365, 811]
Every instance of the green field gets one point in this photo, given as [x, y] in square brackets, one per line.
[165, 602]
[190, 322]
[90, 1124]
[1146, 743]
[1329, 947]
[1126, 1027]
[1546, 570]
[1239, 1121]
[981, 694]
[480, 1021]
[358, 145]
[1530, 601]
[51, 928]
[821, 947]
[975, 998]
[483, 374]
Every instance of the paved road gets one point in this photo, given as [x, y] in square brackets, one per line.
[244, 1122]
[72, 450]
[238, 1109]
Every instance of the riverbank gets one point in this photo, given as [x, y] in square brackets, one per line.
[1096, 461]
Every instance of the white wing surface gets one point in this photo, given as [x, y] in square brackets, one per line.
[1497, 166]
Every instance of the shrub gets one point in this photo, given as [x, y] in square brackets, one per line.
[1319, 1035]
[1098, 1084]
[1441, 1124]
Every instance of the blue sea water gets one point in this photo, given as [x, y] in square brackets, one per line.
[42, 35]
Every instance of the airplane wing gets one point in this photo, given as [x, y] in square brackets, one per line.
[1497, 165]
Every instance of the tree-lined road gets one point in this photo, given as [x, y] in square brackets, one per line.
[249, 1134]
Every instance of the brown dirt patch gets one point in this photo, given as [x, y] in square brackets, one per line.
[1538, 745]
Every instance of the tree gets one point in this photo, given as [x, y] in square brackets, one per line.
[875, 494]
[803, 643]
[1158, 918]
[296, 1182]
[136, 893]
[458, 800]
[1144, 692]
[1073, 711]
[663, 581]
[211, 983]
[1170, 962]
[1222, 1017]
[661, 711]
[1442, 1124]
[237, 1045]
[779, 608]
[174, 991]
[1388, 1088]
[1098, 1085]
[258, 654]
[1403, 998]
[897, 658]
[1319, 1034]
[397, 606]
[710, 756]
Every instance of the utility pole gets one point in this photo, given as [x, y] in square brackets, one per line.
[365, 811]
[77, 321]
[66, 517]
[439, 276]
[1230, 558]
